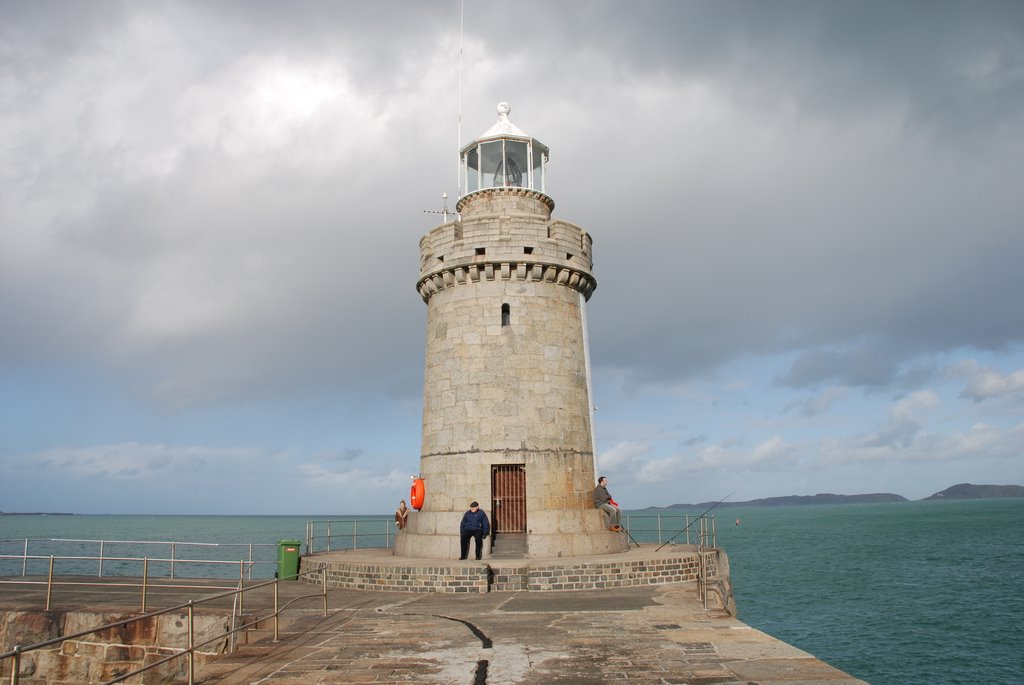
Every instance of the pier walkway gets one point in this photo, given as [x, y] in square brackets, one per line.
[645, 634]
[657, 634]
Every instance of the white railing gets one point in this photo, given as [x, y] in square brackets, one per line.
[683, 529]
[329, 535]
[122, 557]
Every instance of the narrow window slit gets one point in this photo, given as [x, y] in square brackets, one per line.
[506, 315]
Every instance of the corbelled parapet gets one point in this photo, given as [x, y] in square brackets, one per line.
[506, 234]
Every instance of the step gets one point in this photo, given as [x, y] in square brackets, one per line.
[509, 546]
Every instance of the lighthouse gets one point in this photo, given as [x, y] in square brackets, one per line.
[507, 415]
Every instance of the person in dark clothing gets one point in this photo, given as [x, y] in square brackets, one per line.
[603, 501]
[474, 525]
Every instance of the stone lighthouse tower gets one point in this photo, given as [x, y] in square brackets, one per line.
[506, 400]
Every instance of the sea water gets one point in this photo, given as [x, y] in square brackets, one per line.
[894, 594]
[915, 592]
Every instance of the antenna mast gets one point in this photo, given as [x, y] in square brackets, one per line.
[458, 167]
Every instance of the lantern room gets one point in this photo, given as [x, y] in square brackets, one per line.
[503, 157]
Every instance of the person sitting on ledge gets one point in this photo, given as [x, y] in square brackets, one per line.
[603, 501]
[401, 515]
[474, 525]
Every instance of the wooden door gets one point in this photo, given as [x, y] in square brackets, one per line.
[508, 498]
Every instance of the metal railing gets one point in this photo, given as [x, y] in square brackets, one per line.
[329, 535]
[95, 556]
[687, 529]
[188, 652]
[144, 584]
[680, 529]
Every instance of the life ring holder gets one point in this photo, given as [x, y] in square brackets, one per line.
[417, 493]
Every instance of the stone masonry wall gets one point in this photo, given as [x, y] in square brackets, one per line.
[505, 374]
[102, 656]
[498, 577]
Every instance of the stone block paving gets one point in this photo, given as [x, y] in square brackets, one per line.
[658, 634]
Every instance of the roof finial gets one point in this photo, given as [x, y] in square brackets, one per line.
[504, 109]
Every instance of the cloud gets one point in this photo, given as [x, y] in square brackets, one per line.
[348, 454]
[983, 383]
[820, 402]
[906, 422]
[134, 461]
[981, 443]
[211, 215]
[622, 456]
[355, 480]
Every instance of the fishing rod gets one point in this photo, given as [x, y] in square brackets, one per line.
[626, 530]
[696, 519]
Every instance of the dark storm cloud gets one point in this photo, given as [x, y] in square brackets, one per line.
[828, 181]
[863, 194]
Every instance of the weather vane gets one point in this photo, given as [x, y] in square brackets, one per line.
[444, 209]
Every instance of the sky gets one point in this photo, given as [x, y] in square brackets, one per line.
[808, 226]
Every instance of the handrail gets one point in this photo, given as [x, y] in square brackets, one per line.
[704, 535]
[664, 529]
[189, 651]
[172, 545]
[50, 583]
[363, 533]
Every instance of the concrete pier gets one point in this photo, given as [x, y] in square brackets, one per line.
[654, 634]
[635, 618]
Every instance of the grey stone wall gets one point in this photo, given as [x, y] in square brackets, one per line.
[107, 654]
[681, 567]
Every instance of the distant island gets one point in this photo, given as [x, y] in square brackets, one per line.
[34, 513]
[959, 491]
[968, 491]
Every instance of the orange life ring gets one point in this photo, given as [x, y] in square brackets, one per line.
[416, 494]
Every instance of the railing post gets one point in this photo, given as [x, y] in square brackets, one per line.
[49, 584]
[191, 643]
[328, 536]
[174, 546]
[277, 581]
[241, 593]
[323, 579]
[145, 580]
[99, 573]
[251, 562]
[24, 560]
[355, 536]
[16, 665]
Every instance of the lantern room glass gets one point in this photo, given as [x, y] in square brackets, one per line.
[504, 163]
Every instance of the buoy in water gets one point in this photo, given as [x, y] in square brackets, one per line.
[737, 522]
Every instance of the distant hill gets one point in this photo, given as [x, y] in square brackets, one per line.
[822, 498]
[34, 513]
[968, 491]
[960, 491]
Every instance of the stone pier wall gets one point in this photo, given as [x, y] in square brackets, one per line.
[104, 655]
[501, 576]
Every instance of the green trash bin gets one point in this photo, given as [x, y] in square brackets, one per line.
[288, 559]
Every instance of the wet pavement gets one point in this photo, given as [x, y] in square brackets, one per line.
[655, 634]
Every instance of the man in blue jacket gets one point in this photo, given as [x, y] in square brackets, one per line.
[474, 525]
